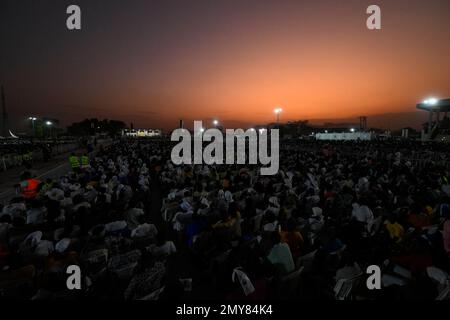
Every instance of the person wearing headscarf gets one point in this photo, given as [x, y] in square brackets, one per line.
[280, 255]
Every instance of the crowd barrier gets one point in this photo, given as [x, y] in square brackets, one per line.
[13, 160]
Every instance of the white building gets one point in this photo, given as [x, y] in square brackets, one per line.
[145, 133]
[345, 136]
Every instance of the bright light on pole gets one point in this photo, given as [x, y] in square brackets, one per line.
[215, 122]
[33, 119]
[430, 101]
[49, 124]
[277, 111]
[352, 130]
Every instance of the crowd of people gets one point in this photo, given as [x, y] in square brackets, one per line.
[141, 227]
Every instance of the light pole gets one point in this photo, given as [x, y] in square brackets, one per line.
[49, 125]
[215, 123]
[33, 119]
[277, 111]
[430, 102]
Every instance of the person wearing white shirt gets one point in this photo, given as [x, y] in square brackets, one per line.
[271, 226]
[362, 213]
[36, 214]
[164, 248]
[14, 209]
[280, 255]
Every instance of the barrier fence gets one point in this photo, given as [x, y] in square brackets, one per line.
[12, 160]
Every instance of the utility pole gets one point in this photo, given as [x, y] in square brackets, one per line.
[363, 123]
[4, 128]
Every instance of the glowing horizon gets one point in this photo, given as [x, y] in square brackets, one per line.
[153, 63]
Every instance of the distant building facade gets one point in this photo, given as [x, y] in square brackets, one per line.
[345, 136]
[142, 133]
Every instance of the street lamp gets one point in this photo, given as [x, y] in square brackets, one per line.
[352, 130]
[215, 122]
[430, 101]
[49, 124]
[277, 111]
[33, 119]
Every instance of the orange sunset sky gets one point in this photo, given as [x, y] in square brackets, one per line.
[154, 62]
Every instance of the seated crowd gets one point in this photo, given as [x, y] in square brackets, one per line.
[141, 227]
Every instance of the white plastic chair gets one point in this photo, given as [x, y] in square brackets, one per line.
[345, 287]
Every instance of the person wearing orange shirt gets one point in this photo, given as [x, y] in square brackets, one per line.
[293, 238]
[29, 186]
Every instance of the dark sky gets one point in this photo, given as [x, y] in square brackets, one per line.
[155, 61]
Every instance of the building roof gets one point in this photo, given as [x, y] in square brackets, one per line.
[442, 105]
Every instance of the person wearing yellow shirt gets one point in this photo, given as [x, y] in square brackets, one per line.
[395, 229]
